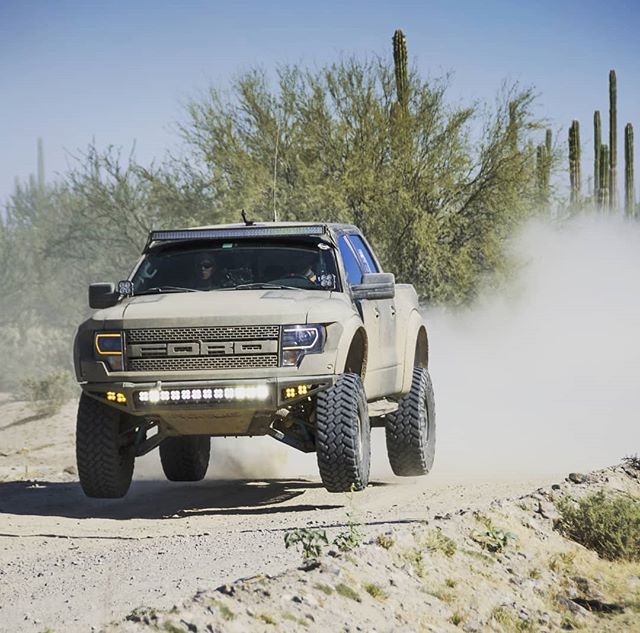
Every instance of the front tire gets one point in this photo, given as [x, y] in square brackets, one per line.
[343, 435]
[104, 450]
[411, 430]
[186, 457]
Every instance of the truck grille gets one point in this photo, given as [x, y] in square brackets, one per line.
[152, 348]
[180, 334]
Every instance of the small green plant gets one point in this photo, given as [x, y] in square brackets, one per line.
[509, 620]
[492, 538]
[346, 541]
[46, 394]
[347, 592]
[352, 538]
[415, 558]
[142, 614]
[292, 618]
[266, 618]
[375, 591]
[563, 562]
[632, 461]
[443, 594]
[385, 541]
[436, 541]
[310, 540]
[450, 582]
[456, 619]
[606, 524]
[534, 573]
[222, 608]
[326, 589]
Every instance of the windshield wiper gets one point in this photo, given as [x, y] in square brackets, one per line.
[160, 289]
[263, 286]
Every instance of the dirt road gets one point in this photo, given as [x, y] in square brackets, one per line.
[70, 563]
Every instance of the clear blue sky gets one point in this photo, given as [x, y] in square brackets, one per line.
[118, 72]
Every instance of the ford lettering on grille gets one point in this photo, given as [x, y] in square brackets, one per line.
[201, 348]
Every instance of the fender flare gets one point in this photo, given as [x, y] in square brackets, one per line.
[350, 329]
[415, 325]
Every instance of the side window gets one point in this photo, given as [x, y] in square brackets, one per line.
[367, 263]
[351, 266]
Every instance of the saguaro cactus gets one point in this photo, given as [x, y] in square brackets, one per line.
[603, 187]
[613, 140]
[400, 66]
[40, 165]
[597, 143]
[548, 141]
[574, 162]
[629, 192]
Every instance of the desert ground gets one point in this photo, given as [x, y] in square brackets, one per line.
[68, 563]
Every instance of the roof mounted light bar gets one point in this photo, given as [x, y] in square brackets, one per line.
[234, 233]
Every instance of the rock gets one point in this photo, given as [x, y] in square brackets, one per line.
[577, 478]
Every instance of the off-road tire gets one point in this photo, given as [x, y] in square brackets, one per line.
[411, 430]
[104, 452]
[185, 458]
[343, 435]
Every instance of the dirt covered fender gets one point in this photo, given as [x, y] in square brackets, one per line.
[416, 349]
[353, 332]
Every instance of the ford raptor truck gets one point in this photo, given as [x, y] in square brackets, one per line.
[284, 329]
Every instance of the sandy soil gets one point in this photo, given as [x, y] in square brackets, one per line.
[73, 564]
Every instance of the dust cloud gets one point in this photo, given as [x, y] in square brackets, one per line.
[544, 378]
[541, 377]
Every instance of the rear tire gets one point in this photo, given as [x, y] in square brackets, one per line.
[104, 451]
[186, 457]
[343, 435]
[411, 430]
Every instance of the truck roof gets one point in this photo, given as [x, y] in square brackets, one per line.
[255, 229]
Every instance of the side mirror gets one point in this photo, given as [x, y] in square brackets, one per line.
[375, 286]
[102, 296]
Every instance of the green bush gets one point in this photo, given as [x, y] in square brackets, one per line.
[606, 524]
[48, 393]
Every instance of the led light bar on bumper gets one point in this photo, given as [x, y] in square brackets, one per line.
[204, 395]
[108, 348]
[300, 340]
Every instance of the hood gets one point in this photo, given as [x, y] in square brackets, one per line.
[227, 307]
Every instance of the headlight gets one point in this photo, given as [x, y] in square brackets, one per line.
[108, 348]
[299, 340]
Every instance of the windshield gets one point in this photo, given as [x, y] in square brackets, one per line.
[237, 265]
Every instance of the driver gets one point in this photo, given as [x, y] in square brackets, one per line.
[208, 276]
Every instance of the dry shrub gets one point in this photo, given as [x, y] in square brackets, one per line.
[606, 524]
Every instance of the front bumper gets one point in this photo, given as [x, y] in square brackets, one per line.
[170, 397]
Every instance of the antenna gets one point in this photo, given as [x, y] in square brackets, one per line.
[247, 222]
[275, 173]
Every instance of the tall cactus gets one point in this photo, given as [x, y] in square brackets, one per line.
[629, 192]
[613, 140]
[597, 143]
[548, 142]
[40, 165]
[574, 162]
[400, 66]
[603, 187]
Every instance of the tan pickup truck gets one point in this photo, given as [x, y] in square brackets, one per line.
[284, 329]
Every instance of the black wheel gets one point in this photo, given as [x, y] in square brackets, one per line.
[411, 430]
[343, 435]
[104, 449]
[186, 457]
